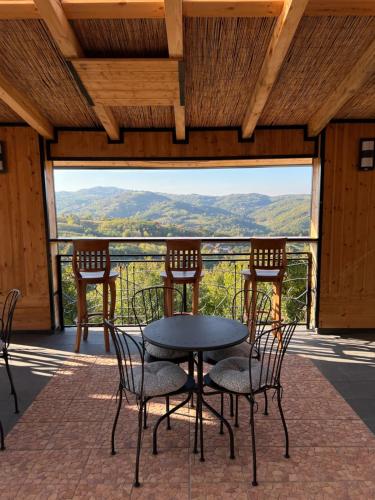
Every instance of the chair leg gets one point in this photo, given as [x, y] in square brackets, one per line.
[252, 424]
[112, 308]
[145, 415]
[139, 442]
[284, 424]
[265, 403]
[12, 389]
[79, 317]
[2, 443]
[115, 421]
[231, 411]
[236, 424]
[168, 417]
[195, 306]
[105, 316]
[85, 312]
[253, 309]
[222, 412]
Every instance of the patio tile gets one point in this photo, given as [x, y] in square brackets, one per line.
[30, 436]
[225, 490]
[159, 491]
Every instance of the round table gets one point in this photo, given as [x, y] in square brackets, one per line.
[197, 333]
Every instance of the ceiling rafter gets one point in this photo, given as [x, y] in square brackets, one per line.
[154, 9]
[65, 38]
[347, 88]
[174, 26]
[283, 34]
[21, 105]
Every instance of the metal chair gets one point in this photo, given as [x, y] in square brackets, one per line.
[145, 381]
[92, 266]
[183, 265]
[241, 309]
[148, 306]
[248, 376]
[5, 334]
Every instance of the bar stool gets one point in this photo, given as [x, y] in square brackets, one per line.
[267, 264]
[92, 266]
[183, 265]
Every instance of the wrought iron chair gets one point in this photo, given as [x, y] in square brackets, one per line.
[148, 306]
[145, 381]
[5, 334]
[248, 376]
[242, 305]
[241, 309]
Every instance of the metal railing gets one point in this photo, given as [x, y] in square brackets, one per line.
[222, 278]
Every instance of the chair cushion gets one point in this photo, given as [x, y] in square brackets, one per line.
[162, 353]
[89, 275]
[263, 273]
[160, 377]
[241, 350]
[233, 374]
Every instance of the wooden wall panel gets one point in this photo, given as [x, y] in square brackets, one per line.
[23, 250]
[347, 283]
[202, 144]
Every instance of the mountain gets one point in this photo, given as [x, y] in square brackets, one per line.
[113, 211]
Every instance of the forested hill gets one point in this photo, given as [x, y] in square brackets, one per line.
[111, 211]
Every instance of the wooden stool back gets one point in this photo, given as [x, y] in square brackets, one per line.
[91, 256]
[268, 254]
[183, 255]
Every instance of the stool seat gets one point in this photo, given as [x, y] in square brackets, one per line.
[182, 276]
[263, 274]
[97, 276]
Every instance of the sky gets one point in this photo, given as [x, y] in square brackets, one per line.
[270, 181]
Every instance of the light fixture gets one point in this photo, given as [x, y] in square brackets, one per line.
[367, 154]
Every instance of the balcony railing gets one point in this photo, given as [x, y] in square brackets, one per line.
[223, 261]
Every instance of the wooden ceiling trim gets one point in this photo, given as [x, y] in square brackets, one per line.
[21, 105]
[282, 37]
[65, 38]
[154, 9]
[347, 88]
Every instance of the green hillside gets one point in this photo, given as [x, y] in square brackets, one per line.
[110, 211]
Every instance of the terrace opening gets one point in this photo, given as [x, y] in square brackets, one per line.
[138, 209]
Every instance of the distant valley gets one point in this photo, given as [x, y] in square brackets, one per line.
[111, 211]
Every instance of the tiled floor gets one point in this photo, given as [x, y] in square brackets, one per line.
[60, 447]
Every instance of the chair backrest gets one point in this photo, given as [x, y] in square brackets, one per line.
[267, 355]
[263, 309]
[183, 255]
[149, 303]
[129, 354]
[268, 253]
[7, 315]
[91, 256]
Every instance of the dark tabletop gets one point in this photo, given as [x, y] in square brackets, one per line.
[195, 333]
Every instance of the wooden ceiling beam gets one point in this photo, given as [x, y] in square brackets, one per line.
[24, 108]
[286, 26]
[154, 9]
[174, 26]
[53, 15]
[55, 18]
[345, 90]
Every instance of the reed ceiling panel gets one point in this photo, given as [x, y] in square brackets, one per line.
[122, 37]
[362, 105]
[144, 116]
[323, 52]
[223, 58]
[33, 64]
